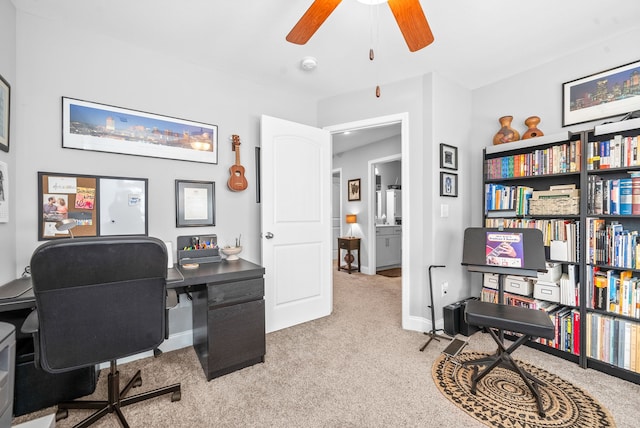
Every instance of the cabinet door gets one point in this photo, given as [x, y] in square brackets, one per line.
[236, 335]
[381, 251]
[395, 249]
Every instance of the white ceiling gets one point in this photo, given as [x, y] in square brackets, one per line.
[477, 42]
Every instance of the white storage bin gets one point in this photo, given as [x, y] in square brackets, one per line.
[490, 280]
[518, 285]
[546, 291]
[553, 273]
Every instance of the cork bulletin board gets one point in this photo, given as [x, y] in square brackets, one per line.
[100, 206]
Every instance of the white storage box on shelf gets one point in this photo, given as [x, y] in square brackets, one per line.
[490, 280]
[553, 273]
[548, 291]
[518, 285]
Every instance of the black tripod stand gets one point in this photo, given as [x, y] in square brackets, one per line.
[433, 333]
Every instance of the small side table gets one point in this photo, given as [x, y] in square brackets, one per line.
[349, 244]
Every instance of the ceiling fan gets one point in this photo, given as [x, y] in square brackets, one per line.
[408, 14]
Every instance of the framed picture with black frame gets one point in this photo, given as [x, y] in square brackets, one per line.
[353, 190]
[195, 203]
[5, 113]
[448, 184]
[605, 94]
[448, 157]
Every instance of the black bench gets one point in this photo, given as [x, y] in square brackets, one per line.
[530, 323]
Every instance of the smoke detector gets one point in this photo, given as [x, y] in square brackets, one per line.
[308, 63]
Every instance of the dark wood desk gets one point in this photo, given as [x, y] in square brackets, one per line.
[228, 312]
[349, 244]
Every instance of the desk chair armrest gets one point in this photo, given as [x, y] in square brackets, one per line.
[30, 324]
[172, 298]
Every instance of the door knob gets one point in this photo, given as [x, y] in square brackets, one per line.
[269, 235]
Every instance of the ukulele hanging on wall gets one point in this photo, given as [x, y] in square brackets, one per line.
[237, 182]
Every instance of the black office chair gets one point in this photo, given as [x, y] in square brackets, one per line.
[97, 300]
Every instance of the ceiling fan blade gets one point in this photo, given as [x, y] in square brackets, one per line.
[312, 19]
[412, 23]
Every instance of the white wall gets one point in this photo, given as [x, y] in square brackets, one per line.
[8, 72]
[56, 60]
[355, 164]
[451, 111]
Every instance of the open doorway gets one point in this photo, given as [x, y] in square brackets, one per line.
[365, 207]
[386, 173]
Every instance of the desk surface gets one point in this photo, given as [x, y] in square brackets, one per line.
[206, 273]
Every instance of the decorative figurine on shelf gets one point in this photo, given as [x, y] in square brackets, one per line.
[533, 131]
[506, 134]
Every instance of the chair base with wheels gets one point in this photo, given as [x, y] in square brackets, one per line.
[530, 323]
[116, 399]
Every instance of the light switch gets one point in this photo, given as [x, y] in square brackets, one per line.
[444, 210]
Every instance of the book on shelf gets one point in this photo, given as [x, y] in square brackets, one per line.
[617, 152]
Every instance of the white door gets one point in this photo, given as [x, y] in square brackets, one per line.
[296, 222]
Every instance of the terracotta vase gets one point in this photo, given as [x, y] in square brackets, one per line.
[533, 131]
[506, 134]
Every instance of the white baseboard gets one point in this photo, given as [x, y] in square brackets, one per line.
[422, 324]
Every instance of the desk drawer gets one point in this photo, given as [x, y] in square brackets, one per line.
[348, 244]
[231, 293]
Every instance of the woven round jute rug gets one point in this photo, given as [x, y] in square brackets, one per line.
[503, 400]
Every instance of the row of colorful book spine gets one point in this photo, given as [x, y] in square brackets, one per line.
[503, 197]
[613, 340]
[617, 152]
[559, 159]
[616, 196]
[552, 229]
[613, 291]
[611, 244]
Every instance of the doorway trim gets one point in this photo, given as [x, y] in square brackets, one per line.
[403, 119]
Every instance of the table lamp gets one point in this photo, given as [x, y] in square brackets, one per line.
[66, 224]
[351, 219]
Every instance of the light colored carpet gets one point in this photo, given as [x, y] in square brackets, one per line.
[355, 368]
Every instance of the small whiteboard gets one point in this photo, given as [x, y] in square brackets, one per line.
[123, 205]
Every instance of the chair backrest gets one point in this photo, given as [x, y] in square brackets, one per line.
[98, 299]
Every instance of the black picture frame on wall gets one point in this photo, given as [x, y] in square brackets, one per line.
[605, 94]
[448, 157]
[5, 114]
[195, 203]
[353, 190]
[448, 184]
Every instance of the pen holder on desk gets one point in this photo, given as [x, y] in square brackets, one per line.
[189, 250]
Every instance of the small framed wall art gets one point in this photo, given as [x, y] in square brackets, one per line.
[448, 157]
[195, 203]
[353, 190]
[448, 184]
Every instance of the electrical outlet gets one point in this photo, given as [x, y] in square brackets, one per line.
[445, 288]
